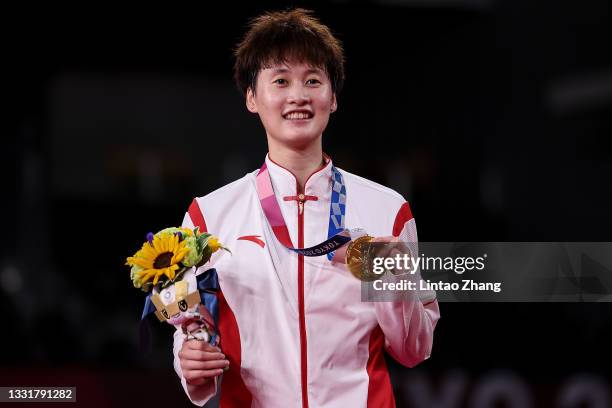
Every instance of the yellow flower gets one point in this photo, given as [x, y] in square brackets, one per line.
[186, 231]
[157, 258]
[214, 244]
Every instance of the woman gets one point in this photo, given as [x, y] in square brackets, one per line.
[294, 331]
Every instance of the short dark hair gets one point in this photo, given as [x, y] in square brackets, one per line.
[280, 36]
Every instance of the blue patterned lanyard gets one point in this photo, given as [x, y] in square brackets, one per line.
[337, 207]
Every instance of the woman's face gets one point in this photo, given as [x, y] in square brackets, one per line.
[293, 101]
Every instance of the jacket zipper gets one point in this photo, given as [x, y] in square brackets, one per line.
[303, 348]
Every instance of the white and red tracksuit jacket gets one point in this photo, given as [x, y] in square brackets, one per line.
[294, 328]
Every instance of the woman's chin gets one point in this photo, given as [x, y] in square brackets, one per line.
[300, 140]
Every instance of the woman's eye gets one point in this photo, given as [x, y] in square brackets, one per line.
[280, 81]
[313, 81]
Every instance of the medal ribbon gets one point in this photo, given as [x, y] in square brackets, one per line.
[337, 235]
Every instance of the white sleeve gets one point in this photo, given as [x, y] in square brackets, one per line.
[408, 325]
[187, 223]
[199, 395]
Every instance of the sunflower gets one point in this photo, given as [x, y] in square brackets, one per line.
[158, 257]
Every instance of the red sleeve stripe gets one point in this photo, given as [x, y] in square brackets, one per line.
[380, 392]
[403, 216]
[197, 218]
[234, 392]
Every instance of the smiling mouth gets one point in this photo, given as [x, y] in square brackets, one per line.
[298, 115]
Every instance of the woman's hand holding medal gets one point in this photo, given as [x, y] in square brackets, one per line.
[358, 254]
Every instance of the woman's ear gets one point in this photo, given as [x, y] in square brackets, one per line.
[250, 101]
[334, 104]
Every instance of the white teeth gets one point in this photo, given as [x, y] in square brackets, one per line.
[297, 115]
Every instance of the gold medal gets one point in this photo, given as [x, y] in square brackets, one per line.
[357, 259]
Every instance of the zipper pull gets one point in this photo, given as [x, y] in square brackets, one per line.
[301, 198]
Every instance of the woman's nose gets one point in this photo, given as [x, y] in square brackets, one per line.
[298, 95]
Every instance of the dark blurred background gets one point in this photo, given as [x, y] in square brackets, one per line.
[492, 117]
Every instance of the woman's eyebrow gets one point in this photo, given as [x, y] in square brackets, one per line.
[282, 70]
[317, 71]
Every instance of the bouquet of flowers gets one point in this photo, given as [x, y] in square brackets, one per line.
[166, 267]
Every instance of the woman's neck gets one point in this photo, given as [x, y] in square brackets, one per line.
[301, 162]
